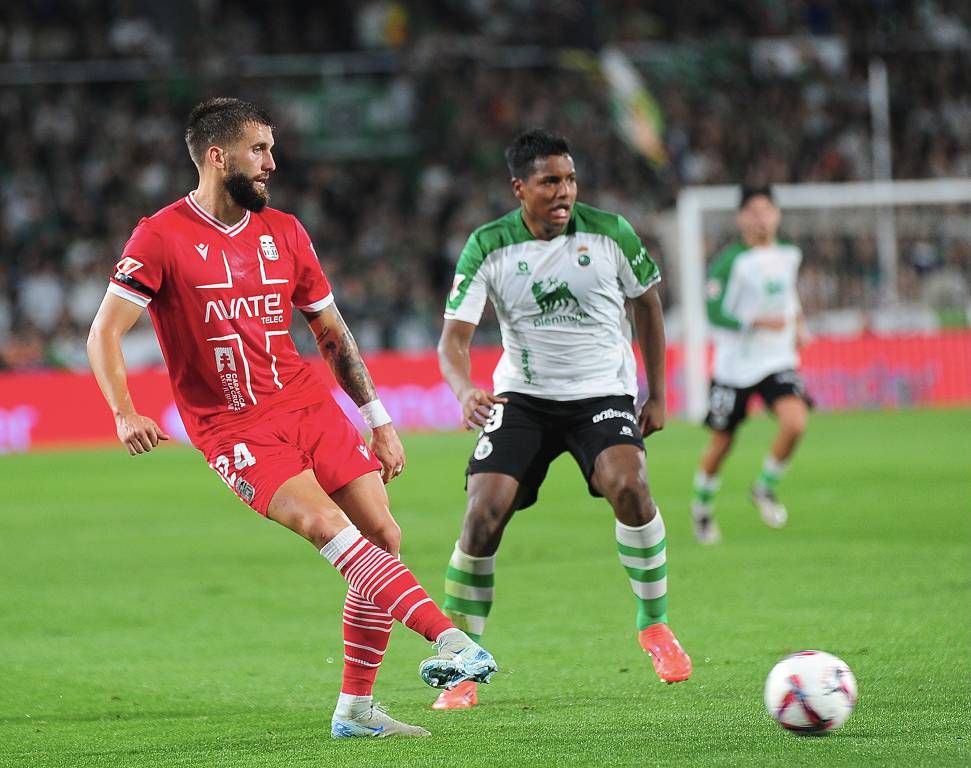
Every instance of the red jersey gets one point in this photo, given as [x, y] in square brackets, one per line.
[221, 299]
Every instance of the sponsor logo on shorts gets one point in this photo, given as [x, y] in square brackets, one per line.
[627, 431]
[245, 490]
[364, 452]
[483, 448]
[612, 413]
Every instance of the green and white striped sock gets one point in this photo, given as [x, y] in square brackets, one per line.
[644, 557]
[703, 493]
[771, 474]
[469, 590]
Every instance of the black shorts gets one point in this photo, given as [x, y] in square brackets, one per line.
[523, 436]
[728, 406]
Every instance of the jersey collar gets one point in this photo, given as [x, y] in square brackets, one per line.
[571, 226]
[226, 229]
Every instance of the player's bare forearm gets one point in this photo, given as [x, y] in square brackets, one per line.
[455, 364]
[337, 346]
[649, 323]
[114, 319]
[453, 356]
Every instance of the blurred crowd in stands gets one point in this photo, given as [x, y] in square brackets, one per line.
[93, 95]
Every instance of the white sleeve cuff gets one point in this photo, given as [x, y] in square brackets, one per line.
[318, 305]
[124, 293]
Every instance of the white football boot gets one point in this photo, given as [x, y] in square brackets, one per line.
[459, 658]
[773, 512]
[374, 722]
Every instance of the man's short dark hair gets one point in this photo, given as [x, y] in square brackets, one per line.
[522, 153]
[754, 190]
[220, 120]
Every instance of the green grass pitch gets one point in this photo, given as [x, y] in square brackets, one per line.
[148, 618]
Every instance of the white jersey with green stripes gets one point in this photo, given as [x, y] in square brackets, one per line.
[745, 284]
[560, 302]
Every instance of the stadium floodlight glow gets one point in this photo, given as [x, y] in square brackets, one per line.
[695, 202]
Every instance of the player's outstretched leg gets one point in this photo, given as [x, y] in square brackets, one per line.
[643, 553]
[386, 582]
[469, 591]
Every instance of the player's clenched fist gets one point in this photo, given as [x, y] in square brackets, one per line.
[138, 433]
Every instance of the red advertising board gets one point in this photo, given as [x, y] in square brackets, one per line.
[52, 408]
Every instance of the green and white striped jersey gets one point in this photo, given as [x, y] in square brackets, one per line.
[745, 284]
[560, 302]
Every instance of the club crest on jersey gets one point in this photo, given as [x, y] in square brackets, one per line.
[268, 247]
[127, 265]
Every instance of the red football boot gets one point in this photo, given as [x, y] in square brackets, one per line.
[462, 696]
[671, 663]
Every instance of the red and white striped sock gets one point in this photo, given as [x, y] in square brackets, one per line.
[367, 630]
[386, 582]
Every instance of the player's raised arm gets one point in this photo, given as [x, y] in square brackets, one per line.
[649, 323]
[456, 367]
[115, 318]
[338, 348]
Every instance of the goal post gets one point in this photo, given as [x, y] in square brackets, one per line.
[880, 207]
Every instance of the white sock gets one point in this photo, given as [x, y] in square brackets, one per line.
[706, 482]
[451, 636]
[338, 545]
[350, 706]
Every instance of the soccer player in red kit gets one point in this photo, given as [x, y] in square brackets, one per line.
[220, 272]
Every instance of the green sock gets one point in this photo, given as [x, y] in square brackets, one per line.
[643, 554]
[772, 471]
[469, 591]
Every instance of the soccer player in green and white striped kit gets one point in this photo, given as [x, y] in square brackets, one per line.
[757, 321]
[561, 276]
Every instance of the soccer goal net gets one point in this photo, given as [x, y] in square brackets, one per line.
[881, 261]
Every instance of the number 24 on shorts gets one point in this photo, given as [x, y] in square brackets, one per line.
[242, 458]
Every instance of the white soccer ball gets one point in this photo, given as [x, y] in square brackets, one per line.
[810, 692]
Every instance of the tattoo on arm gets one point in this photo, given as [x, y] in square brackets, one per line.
[338, 348]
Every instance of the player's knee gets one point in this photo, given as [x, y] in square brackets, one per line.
[628, 494]
[388, 537]
[795, 424]
[320, 526]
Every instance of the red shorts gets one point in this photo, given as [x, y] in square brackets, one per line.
[256, 460]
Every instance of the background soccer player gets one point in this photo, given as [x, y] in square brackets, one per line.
[559, 274]
[755, 314]
[220, 273]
